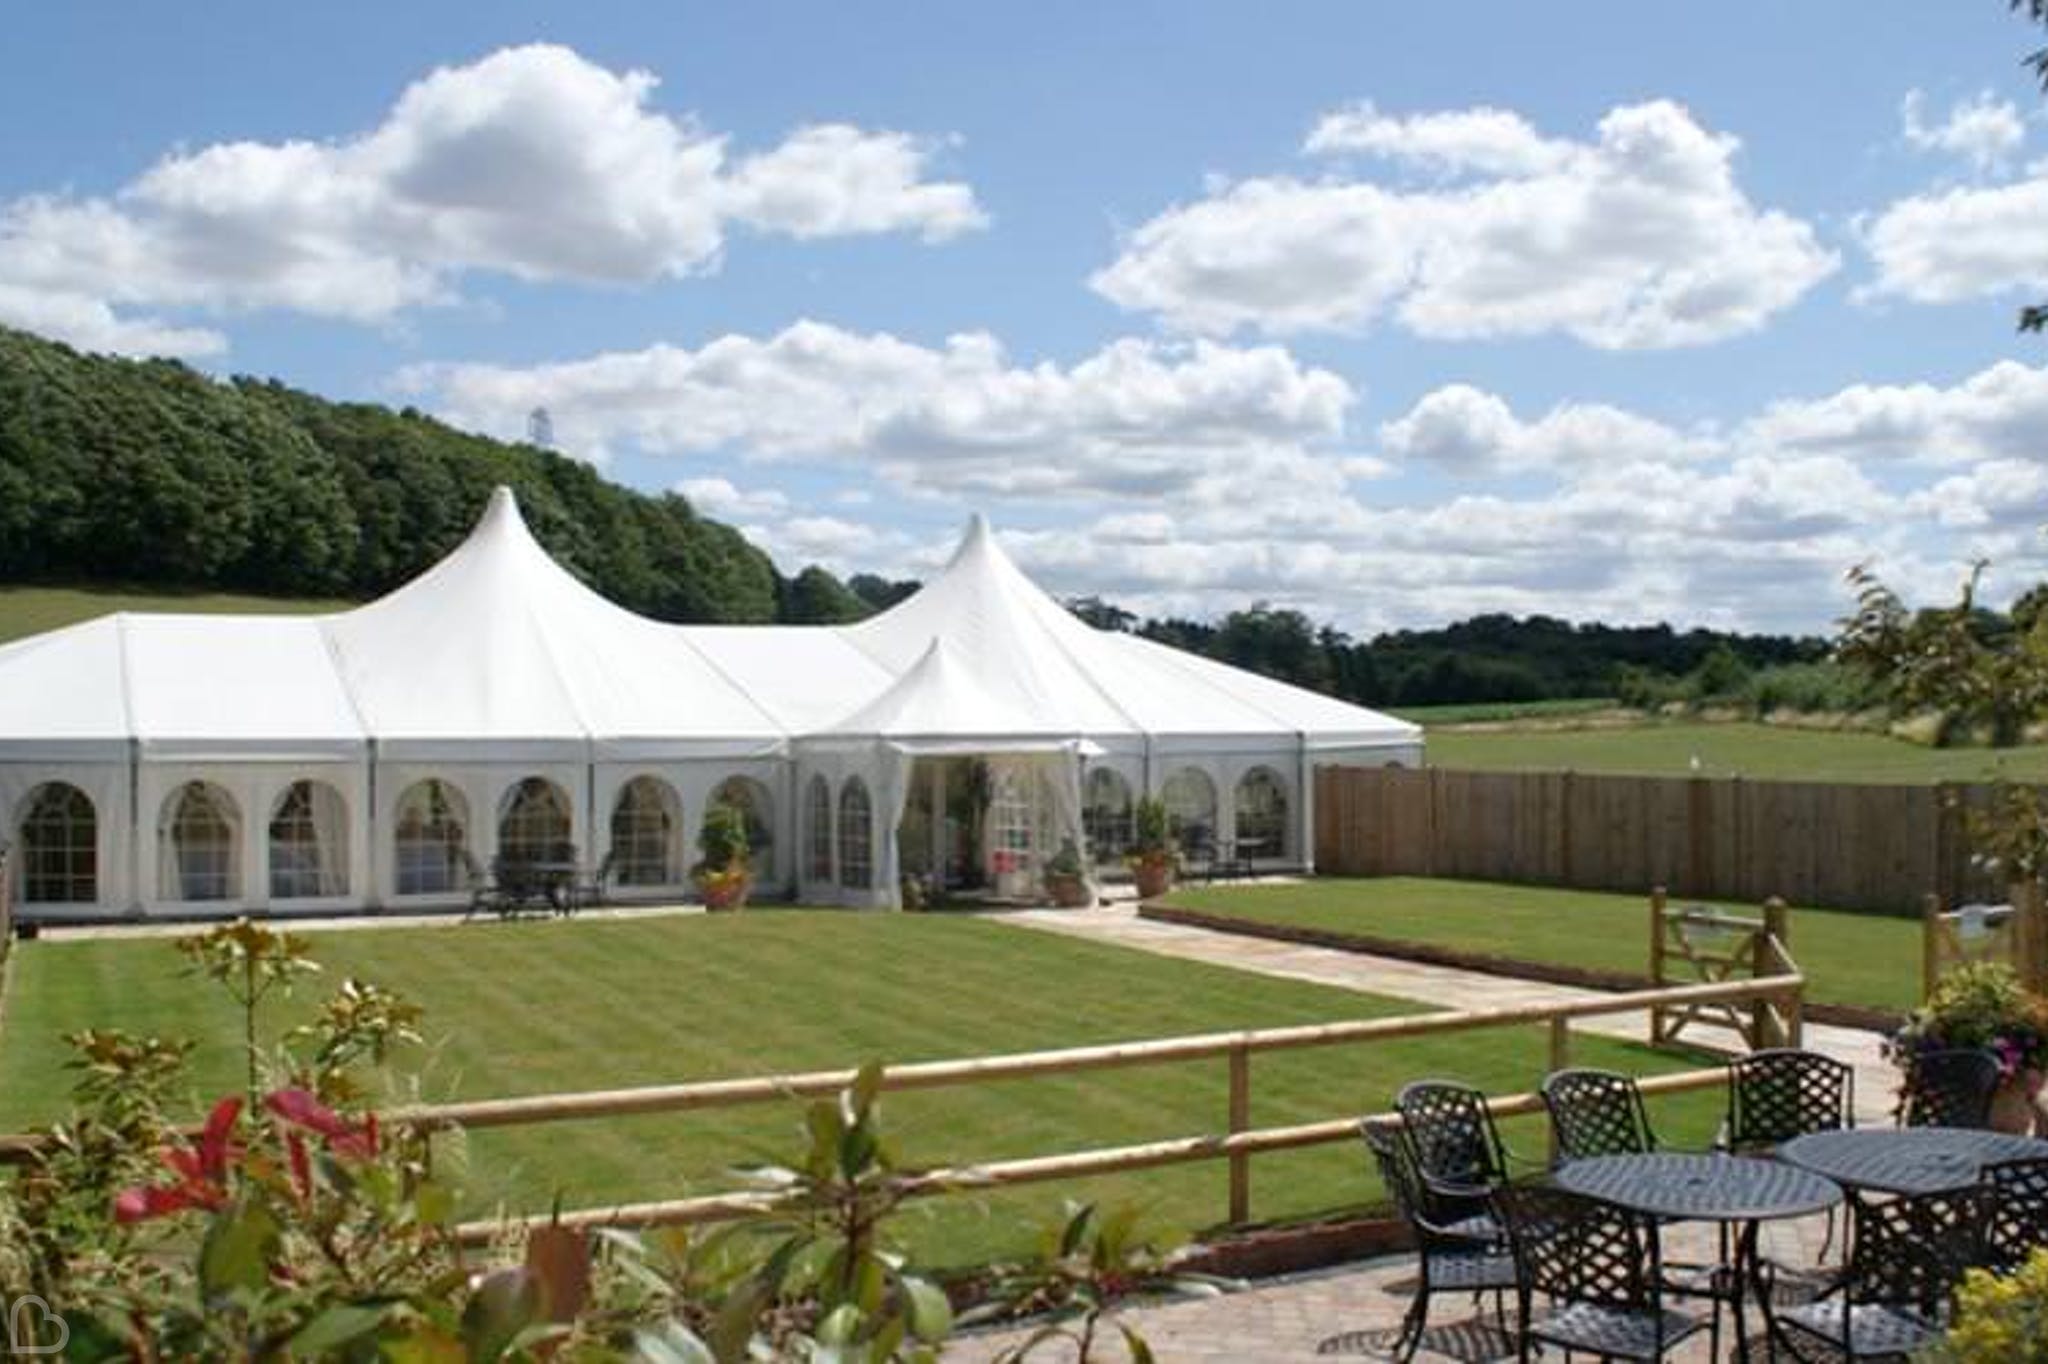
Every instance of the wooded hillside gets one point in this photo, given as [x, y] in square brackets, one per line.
[147, 471]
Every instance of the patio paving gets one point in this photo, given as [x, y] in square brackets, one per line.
[1353, 1312]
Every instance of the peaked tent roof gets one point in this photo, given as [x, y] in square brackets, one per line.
[498, 644]
[1018, 642]
[497, 652]
[939, 704]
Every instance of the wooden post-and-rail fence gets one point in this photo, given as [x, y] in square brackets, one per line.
[1694, 943]
[1842, 845]
[1236, 1144]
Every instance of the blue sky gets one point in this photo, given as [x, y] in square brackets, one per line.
[1391, 313]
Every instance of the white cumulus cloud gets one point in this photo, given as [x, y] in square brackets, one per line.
[1985, 131]
[1965, 242]
[1484, 140]
[1135, 418]
[1640, 238]
[1465, 430]
[533, 162]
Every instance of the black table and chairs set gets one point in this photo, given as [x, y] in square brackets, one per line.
[1576, 1243]
[546, 885]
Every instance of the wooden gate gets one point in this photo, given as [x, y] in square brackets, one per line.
[2015, 933]
[1696, 944]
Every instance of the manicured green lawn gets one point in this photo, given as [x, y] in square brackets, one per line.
[537, 1007]
[1728, 750]
[32, 610]
[1848, 958]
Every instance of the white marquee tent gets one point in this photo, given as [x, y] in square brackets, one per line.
[378, 757]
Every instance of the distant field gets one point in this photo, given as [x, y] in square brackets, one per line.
[1666, 748]
[1848, 958]
[1478, 712]
[32, 610]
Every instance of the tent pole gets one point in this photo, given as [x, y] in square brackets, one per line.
[373, 896]
[135, 884]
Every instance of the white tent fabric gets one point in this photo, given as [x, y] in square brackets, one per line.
[497, 664]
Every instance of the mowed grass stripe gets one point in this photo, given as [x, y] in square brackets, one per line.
[1848, 958]
[545, 1007]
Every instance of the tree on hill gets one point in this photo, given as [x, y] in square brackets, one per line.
[118, 470]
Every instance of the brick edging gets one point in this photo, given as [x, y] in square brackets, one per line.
[1427, 954]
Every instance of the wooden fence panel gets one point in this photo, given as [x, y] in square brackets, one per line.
[1842, 845]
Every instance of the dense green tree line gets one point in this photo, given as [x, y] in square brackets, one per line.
[117, 470]
[1486, 658]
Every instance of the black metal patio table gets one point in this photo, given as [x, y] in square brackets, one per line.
[1737, 1191]
[1907, 1160]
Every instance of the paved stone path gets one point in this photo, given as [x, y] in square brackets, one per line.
[1353, 1311]
[1440, 986]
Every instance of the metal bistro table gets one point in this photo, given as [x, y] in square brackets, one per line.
[1907, 1160]
[1692, 1187]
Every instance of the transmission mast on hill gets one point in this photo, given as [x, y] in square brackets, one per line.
[540, 429]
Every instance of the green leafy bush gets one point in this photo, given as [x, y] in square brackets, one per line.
[2000, 1320]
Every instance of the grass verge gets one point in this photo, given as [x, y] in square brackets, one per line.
[1862, 959]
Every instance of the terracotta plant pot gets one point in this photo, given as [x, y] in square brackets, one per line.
[1154, 877]
[725, 892]
[2016, 1108]
[1068, 892]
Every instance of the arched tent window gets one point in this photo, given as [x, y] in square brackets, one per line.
[201, 845]
[60, 851]
[1190, 799]
[309, 842]
[856, 836]
[1261, 814]
[1106, 816]
[751, 798]
[534, 824]
[430, 839]
[820, 829]
[647, 829]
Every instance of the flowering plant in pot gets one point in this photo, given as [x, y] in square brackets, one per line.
[1066, 880]
[1982, 1005]
[722, 875]
[1154, 854]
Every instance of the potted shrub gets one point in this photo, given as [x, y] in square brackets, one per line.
[721, 874]
[1983, 1005]
[1155, 854]
[1066, 880]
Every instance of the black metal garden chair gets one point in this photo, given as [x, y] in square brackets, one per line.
[1782, 1093]
[1600, 1271]
[1951, 1088]
[1461, 1255]
[1458, 1149]
[1597, 1113]
[1906, 1257]
[2016, 1212]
